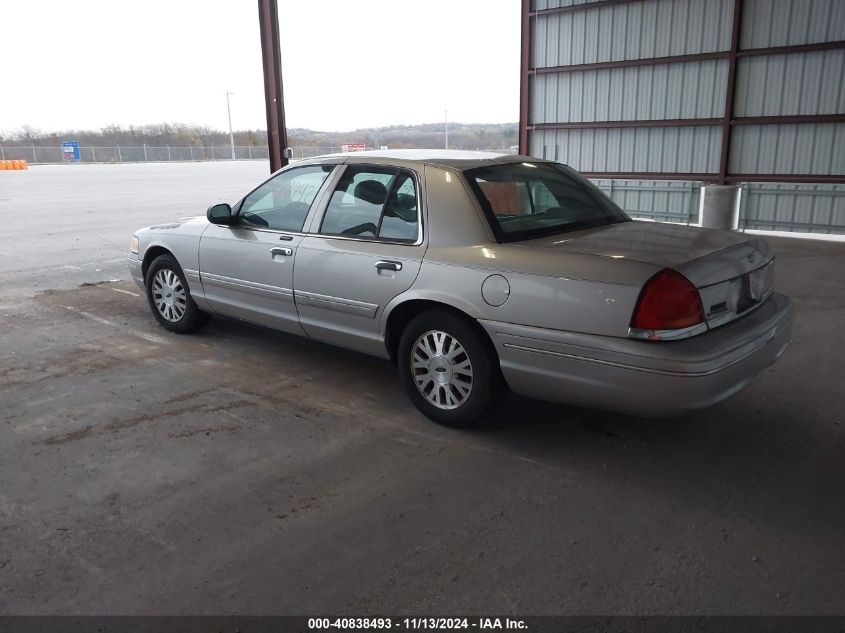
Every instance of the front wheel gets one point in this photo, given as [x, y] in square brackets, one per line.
[449, 371]
[170, 298]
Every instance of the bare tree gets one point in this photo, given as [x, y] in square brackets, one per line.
[30, 134]
[461, 135]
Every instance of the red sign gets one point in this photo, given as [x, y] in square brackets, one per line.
[352, 147]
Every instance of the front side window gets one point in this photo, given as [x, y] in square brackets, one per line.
[527, 200]
[373, 202]
[283, 202]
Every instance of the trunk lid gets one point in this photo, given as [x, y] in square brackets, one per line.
[732, 271]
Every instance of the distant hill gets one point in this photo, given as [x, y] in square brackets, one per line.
[461, 136]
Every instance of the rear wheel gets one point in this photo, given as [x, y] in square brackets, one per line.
[448, 369]
[170, 298]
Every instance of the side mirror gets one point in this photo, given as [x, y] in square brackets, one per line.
[220, 214]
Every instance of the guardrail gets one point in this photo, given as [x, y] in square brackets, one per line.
[800, 208]
[792, 207]
[659, 200]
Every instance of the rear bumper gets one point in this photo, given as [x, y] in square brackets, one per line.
[654, 379]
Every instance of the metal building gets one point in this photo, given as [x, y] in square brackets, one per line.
[655, 98]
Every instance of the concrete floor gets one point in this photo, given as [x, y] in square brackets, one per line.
[244, 471]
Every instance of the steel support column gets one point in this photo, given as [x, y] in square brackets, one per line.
[271, 56]
[524, 85]
[725, 152]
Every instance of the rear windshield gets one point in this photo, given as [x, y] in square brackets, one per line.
[526, 200]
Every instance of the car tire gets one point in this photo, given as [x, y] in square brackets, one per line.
[170, 298]
[449, 370]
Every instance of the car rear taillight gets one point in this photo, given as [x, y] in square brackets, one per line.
[668, 301]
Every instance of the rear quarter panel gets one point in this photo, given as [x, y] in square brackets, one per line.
[559, 295]
[563, 291]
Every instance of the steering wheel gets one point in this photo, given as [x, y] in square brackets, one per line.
[361, 228]
[254, 218]
[296, 207]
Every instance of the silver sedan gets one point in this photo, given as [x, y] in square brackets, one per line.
[476, 273]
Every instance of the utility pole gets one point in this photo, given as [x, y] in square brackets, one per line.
[446, 126]
[229, 112]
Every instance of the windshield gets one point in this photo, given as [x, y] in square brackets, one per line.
[527, 200]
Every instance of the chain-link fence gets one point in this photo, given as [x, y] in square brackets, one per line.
[148, 153]
[145, 153]
[35, 154]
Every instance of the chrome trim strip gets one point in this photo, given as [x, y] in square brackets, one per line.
[662, 372]
[228, 282]
[369, 240]
[668, 335]
[338, 304]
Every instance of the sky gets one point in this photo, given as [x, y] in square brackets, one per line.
[346, 64]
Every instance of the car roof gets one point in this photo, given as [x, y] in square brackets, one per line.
[453, 158]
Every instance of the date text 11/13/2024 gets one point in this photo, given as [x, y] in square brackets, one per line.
[429, 623]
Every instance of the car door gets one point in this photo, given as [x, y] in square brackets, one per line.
[365, 249]
[247, 268]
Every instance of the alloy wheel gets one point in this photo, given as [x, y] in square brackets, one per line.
[169, 295]
[441, 369]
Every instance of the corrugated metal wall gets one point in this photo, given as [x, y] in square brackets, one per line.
[551, 4]
[683, 90]
[651, 28]
[675, 108]
[767, 23]
[796, 83]
[692, 90]
[806, 148]
[690, 149]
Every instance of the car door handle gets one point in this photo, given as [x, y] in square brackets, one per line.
[281, 250]
[387, 265]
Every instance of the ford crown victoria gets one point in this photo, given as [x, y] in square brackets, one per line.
[476, 273]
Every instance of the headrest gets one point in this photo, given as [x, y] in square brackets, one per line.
[406, 202]
[371, 191]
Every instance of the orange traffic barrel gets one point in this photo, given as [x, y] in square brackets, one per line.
[13, 164]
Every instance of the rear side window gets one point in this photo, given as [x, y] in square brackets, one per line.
[373, 202]
[527, 200]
